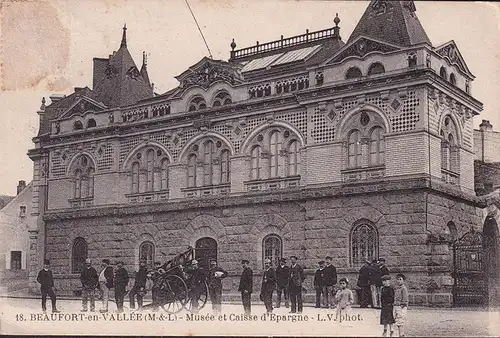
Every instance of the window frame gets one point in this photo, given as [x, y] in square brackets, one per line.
[149, 261]
[274, 257]
[355, 258]
[82, 256]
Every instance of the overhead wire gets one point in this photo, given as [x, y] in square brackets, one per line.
[199, 28]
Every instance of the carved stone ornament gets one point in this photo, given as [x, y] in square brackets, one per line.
[208, 74]
[381, 7]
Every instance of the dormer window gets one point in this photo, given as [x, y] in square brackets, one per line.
[22, 211]
[453, 79]
[197, 103]
[222, 99]
[78, 125]
[376, 68]
[91, 123]
[443, 73]
[353, 73]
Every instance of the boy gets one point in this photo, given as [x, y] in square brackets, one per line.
[400, 303]
[387, 303]
[344, 299]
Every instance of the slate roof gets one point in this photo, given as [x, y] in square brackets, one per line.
[391, 21]
[4, 200]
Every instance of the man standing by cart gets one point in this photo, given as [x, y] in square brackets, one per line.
[139, 288]
[196, 281]
[215, 276]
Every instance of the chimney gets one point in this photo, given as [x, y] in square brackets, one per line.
[485, 126]
[21, 186]
[56, 97]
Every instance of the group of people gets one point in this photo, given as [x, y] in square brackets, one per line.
[370, 282]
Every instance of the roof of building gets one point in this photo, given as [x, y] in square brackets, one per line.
[391, 21]
[4, 200]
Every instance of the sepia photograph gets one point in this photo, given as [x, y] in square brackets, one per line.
[250, 168]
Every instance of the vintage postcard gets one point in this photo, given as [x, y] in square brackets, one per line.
[264, 167]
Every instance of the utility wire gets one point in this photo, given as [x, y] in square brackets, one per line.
[196, 21]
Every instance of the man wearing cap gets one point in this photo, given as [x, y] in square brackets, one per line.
[121, 282]
[319, 280]
[329, 283]
[105, 283]
[364, 285]
[268, 285]
[196, 281]
[46, 281]
[296, 279]
[215, 276]
[90, 280]
[282, 280]
[139, 287]
[246, 286]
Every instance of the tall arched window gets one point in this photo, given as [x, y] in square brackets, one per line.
[79, 254]
[135, 178]
[192, 171]
[256, 169]
[377, 146]
[150, 163]
[445, 151]
[364, 243]
[451, 231]
[147, 253]
[450, 150]
[205, 249]
[225, 167]
[272, 248]
[353, 73]
[274, 148]
[293, 156]
[453, 79]
[443, 73]
[164, 174]
[78, 184]
[83, 178]
[208, 158]
[376, 68]
[354, 149]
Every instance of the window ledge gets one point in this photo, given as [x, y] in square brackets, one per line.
[363, 173]
[81, 202]
[361, 169]
[274, 183]
[207, 190]
[149, 196]
[449, 176]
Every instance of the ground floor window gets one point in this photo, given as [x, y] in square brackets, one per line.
[205, 250]
[79, 255]
[272, 248]
[364, 243]
[15, 260]
[147, 253]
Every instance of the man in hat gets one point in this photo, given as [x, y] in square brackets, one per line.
[46, 281]
[282, 280]
[155, 273]
[383, 268]
[246, 286]
[375, 283]
[296, 279]
[319, 279]
[105, 283]
[139, 287]
[90, 280]
[364, 285]
[329, 283]
[268, 285]
[121, 282]
[215, 276]
[196, 281]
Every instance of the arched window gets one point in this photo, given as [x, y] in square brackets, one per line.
[197, 103]
[164, 174]
[205, 249]
[377, 146]
[376, 68]
[147, 253]
[192, 171]
[272, 248]
[83, 178]
[451, 231]
[135, 178]
[91, 123]
[77, 125]
[208, 158]
[150, 163]
[79, 254]
[443, 73]
[450, 150]
[364, 243]
[222, 99]
[353, 73]
[225, 167]
[354, 149]
[445, 152]
[274, 148]
[256, 169]
[293, 157]
[453, 79]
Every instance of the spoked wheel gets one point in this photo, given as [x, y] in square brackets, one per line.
[172, 294]
[202, 299]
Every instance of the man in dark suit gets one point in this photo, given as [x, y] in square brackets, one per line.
[364, 285]
[196, 281]
[139, 287]
[105, 283]
[46, 281]
[375, 283]
[268, 285]
[90, 280]
[384, 270]
[246, 287]
[121, 282]
[215, 276]
[282, 279]
[330, 282]
[296, 279]
[319, 279]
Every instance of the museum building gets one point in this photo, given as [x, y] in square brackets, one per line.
[308, 146]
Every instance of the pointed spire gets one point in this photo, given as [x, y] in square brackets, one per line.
[124, 37]
[144, 59]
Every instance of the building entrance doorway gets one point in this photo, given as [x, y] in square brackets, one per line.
[204, 251]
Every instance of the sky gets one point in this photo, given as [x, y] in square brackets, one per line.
[47, 48]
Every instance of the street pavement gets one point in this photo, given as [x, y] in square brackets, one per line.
[24, 316]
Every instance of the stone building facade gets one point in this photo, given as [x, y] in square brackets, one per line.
[307, 146]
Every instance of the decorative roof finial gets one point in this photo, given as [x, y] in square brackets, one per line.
[336, 29]
[124, 37]
[336, 20]
[42, 107]
[233, 45]
[144, 59]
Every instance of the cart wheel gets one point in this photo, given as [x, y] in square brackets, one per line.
[202, 300]
[173, 294]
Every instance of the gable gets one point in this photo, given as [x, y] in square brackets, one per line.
[360, 48]
[82, 106]
[450, 51]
